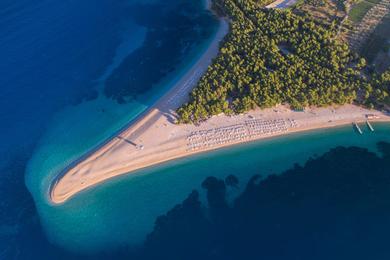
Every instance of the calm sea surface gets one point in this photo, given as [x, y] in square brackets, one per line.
[123, 211]
[73, 73]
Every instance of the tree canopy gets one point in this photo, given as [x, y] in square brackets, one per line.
[275, 56]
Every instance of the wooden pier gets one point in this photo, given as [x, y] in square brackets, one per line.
[357, 128]
[370, 126]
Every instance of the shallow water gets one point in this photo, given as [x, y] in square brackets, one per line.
[57, 59]
[122, 211]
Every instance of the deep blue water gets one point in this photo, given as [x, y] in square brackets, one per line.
[72, 73]
[60, 64]
[51, 54]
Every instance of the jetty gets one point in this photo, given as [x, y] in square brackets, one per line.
[156, 138]
[370, 126]
[358, 128]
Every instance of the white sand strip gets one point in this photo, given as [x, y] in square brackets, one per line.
[154, 138]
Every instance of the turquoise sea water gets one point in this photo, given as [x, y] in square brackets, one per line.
[73, 73]
[122, 211]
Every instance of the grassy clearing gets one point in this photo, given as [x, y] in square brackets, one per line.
[373, 1]
[326, 11]
[372, 47]
[378, 41]
[384, 27]
[359, 10]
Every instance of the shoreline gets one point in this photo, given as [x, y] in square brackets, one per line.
[270, 137]
[152, 137]
[173, 82]
[171, 142]
[199, 66]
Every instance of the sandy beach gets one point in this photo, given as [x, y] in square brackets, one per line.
[155, 138]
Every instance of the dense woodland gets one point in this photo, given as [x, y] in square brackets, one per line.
[272, 57]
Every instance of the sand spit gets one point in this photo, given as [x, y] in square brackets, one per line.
[154, 137]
